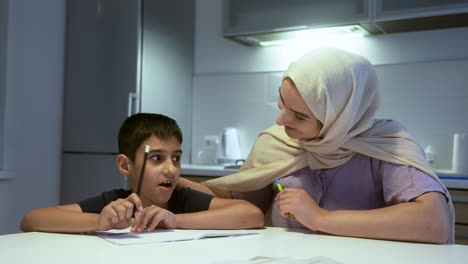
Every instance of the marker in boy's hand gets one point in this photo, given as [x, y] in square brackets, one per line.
[140, 180]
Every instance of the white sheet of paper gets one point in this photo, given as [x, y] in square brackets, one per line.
[125, 238]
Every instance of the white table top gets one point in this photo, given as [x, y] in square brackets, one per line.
[53, 248]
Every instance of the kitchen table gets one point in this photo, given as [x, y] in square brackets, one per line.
[273, 242]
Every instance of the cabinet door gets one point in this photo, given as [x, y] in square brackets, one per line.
[167, 63]
[246, 16]
[401, 9]
[101, 70]
[86, 175]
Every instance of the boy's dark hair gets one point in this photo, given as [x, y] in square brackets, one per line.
[139, 127]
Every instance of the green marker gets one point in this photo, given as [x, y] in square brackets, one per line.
[280, 188]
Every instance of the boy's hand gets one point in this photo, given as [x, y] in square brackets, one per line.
[152, 217]
[118, 214]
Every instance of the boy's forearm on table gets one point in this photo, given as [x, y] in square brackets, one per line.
[52, 219]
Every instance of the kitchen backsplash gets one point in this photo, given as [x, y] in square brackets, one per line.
[429, 98]
[231, 100]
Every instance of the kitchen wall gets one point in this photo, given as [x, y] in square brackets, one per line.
[33, 108]
[3, 41]
[422, 74]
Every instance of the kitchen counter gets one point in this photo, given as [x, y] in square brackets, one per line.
[450, 179]
[453, 180]
[206, 170]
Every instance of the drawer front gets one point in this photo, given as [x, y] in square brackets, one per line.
[461, 234]
[460, 203]
[461, 213]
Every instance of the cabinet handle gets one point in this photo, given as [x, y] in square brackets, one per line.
[133, 97]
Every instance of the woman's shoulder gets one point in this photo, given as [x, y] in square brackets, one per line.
[382, 167]
[361, 163]
[359, 160]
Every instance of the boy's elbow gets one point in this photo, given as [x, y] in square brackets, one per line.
[255, 216]
[33, 220]
[260, 218]
[26, 223]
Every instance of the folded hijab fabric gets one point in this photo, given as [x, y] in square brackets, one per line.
[341, 90]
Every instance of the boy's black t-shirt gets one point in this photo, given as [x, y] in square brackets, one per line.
[182, 201]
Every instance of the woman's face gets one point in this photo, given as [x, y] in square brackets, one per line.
[295, 116]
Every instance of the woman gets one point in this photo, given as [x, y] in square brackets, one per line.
[343, 172]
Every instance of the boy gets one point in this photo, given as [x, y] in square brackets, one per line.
[160, 204]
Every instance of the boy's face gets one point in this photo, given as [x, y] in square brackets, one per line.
[162, 170]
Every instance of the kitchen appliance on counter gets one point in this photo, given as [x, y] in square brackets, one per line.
[229, 147]
[208, 152]
[460, 153]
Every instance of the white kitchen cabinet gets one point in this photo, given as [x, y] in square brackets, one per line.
[404, 9]
[167, 63]
[89, 175]
[246, 16]
[250, 22]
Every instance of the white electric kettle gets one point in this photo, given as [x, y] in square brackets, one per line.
[229, 147]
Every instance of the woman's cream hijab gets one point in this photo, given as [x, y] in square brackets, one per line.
[341, 90]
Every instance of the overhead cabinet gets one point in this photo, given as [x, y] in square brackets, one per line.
[246, 16]
[404, 9]
[394, 16]
[248, 21]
